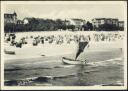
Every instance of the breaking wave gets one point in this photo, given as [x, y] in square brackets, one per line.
[106, 62]
[44, 80]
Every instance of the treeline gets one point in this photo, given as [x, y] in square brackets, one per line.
[108, 27]
[36, 24]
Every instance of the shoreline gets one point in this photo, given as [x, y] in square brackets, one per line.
[49, 50]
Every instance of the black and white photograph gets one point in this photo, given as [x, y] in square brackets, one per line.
[64, 45]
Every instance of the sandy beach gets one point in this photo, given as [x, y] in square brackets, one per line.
[104, 64]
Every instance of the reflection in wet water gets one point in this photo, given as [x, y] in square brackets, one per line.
[80, 75]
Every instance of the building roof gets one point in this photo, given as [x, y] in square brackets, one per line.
[114, 19]
[75, 19]
[121, 21]
[99, 19]
[9, 14]
[105, 19]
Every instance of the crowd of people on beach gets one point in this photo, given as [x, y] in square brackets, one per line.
[60, 39]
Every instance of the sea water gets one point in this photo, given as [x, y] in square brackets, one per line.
[103, 68]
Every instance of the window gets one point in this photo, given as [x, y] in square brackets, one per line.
[102, 21]
[99, 21]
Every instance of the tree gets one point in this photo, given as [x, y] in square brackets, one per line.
[71, 27]
[9, 27]
[33, 24]
[19, 28]
[85, 27]
[89, 25]
[108, 27]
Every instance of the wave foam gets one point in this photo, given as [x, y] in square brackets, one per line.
[106, 62]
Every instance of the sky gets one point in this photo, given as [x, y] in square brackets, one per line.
[64, 11]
